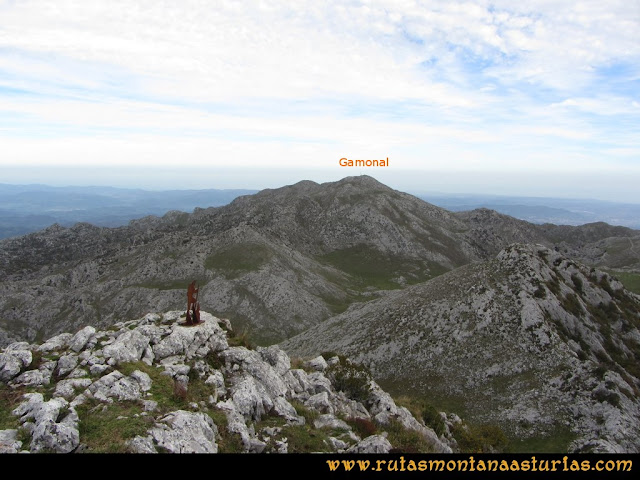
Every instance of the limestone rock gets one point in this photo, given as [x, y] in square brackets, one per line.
[186, 432]
[319, 364]
[15, 357]
[371, 444]
[9, 442]
[80, 339]
[129, 347]
[47, 433]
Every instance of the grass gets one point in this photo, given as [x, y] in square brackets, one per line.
[106, 432]
[480, 438]
[369, 267]
[228, 442]
[630, 280]
[9, 399]
[239, 259]
[556, 441]
[405, 440]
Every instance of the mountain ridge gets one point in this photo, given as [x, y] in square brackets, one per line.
[329, 245]
[530, 340]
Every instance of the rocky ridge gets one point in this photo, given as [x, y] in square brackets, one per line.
[544, 347]
[153, 385]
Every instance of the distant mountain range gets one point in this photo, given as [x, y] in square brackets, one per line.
[511, 323]
[560, 211]
[29, 208]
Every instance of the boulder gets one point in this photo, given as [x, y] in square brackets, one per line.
[15, 357]
[80, 339]
[186, 432]
[128, 347]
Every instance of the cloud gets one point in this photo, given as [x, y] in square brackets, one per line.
[469, 84]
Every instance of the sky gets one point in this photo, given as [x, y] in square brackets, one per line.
[536, 98]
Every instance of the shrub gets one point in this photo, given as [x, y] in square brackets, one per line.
[363, 426]
[433, 419]
[352, 379]
[480, 439]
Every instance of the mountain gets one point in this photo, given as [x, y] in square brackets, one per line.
[531, 341]
[561, 211]
[28, 208]
[512, 325]
[275, 263]
[154, 385]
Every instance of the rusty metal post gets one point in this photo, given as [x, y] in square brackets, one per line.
[193, 306]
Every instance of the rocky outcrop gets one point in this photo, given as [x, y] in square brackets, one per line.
[154, 385]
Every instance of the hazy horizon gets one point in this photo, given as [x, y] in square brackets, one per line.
[420, 187]
[536, 99]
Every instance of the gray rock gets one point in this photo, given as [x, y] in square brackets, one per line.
[337, 444]
[9, 442]
[192, 341]
[330, 421]
[250, 398]
[67, 388]
[143, 379]
[186, 432]
[149, 405]
[320, 402]
[80, 339]
[252, 363]
[236, 423]
[115, 386]
[15, 357]
[282, 408]
[384, 409]
[140, 444]
[319, 363]
[59, 342]
[371, 444]
[319, 383]
[33, 378]
[275, 357]
[129, 347]
[216, 380]
[48, 435]
[66, 363]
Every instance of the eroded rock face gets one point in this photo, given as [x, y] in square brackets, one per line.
[169, 382]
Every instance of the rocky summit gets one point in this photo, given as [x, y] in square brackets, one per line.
[155, 385]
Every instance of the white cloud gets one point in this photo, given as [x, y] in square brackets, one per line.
[467, 84]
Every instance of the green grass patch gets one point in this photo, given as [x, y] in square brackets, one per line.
[239, 259]
[228, 442]
[9, 399]
[369, 267]
[480, 438]
[557, 441]
[301, 439]
[630, 280]
[105, 432]
[406, 441]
